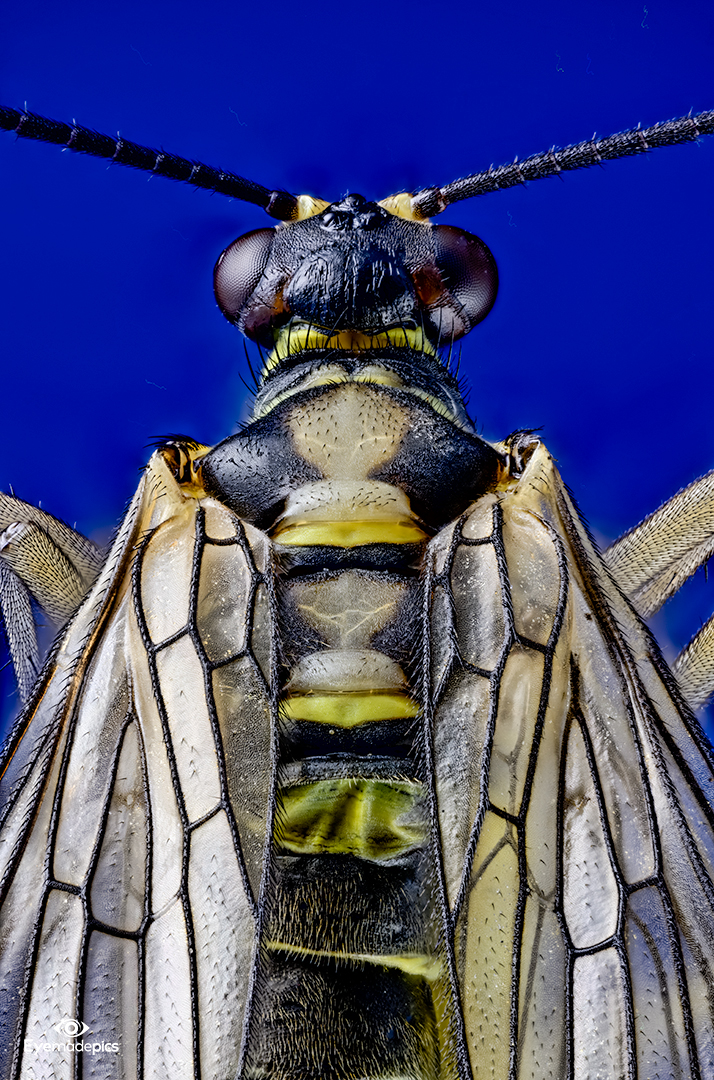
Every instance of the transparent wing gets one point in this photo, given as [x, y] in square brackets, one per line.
[575, 792]
[135, 805]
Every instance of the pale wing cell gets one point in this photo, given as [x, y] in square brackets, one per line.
[459, 737]
[608, 713]
[243, 713]
[590, 893]
[600, 1049]
[182, 687]
[693, 820]
[165, 800]
[519, 700]
[478, 521]
[224, 930]
[118, 888]
[480, 620]
[533, 574]
[487, 952]
[443, 638]
[53, 992]
[656, 975]
[221, 622]
[220, 524]
[542, 840]
[92, 755]
[262, 632]
[543, 972]
[167, 571]
[169, 1020]
[110, 1005]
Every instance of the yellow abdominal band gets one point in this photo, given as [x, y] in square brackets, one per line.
[422, 965]
[371, 819]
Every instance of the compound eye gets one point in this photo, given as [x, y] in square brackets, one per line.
[469, 278]
[239, 269]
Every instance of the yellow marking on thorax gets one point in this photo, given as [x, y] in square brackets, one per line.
[345, 512]
[348, 534]
[349, 709]
[373, 375]
[308, 206]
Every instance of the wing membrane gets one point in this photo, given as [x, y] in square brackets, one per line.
[584, 919]
[126, 824]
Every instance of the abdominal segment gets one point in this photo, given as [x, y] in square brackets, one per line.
[352, 977]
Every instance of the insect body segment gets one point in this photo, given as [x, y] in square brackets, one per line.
[356, 761]
[351, 920]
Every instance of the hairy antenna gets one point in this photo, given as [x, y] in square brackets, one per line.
[279, 204]
[582, 155]
[425, 203]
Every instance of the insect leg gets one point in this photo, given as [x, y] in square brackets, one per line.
[651, 561]
[16, 613]
[40, 558]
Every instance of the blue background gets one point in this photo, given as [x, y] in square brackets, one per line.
[602, 330]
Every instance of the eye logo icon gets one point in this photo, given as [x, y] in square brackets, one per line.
[71, 1028]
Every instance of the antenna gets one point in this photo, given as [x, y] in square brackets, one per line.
[279, 204]
[426, 203]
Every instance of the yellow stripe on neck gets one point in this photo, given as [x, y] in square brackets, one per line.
[297, 339]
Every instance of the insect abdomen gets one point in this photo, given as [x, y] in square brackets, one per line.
[352, 975]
